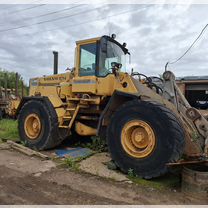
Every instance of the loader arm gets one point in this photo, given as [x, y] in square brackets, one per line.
[191, 116]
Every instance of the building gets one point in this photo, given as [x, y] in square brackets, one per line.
[195, 89]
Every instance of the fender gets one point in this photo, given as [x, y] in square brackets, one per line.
[26, 99]
[116, 100]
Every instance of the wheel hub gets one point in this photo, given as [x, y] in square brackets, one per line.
[32, 126]
[138, 139]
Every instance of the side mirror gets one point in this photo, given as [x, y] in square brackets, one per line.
[116, 65]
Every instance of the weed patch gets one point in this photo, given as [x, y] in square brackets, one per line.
[96, 144]
[169, 181]
[8, 129]
[73, 163]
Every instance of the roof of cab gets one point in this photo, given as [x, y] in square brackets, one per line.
[87, 40]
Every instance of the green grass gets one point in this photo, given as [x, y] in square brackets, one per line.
[168, 181]
[8, 130]
[73, 163]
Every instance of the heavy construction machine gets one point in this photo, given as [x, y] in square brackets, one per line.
[9, 98]
[146, 121]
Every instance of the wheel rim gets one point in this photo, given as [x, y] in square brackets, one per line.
[32, 126]
[138, 139]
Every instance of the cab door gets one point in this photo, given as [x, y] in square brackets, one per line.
[85, 80]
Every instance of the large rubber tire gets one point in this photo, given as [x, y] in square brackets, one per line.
[168, 132]
[50, 135]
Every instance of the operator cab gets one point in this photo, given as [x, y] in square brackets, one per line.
[100, 57]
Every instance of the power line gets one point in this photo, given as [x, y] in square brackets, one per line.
[99, 19]
[14, 5]
[50, 13]
[89, 21]
[113, 15]
[46, 21]
[25, 9]
[190, 47]
[33, 2]
[55, 12]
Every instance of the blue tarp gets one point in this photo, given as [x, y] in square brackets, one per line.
[73, 152]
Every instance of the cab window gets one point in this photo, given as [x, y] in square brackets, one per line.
[111, 53]
[87, 59]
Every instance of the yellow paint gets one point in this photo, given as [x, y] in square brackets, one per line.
[65, 89]
[86, 84]
[138, 139]
[87, 41]
[55, 100]
[32, 126]
[107, 85]
[12, 107]
[84, 130]
[48, 85]
[77, 52]
[60, 113]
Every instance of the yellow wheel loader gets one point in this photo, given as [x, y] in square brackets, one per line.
[146, 121]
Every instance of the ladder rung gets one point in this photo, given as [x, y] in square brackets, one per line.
[71, 109]
[65, 127]
[81, 99]
[73, 98]
[67, 117]
[64, 104]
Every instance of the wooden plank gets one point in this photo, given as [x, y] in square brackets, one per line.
[26, 150]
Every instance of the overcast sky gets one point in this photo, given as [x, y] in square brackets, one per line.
[154, 35]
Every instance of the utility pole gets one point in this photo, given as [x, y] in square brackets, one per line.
[0, 90]
[16, 84]
[5, 85]
[22, 89]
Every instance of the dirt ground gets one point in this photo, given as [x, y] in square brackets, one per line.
[26, 180]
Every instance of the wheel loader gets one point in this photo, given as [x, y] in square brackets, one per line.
[146, 121]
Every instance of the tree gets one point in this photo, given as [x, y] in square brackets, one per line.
[11, 80]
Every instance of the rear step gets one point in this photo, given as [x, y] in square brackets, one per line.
[64, 127]
[70, 118]
[70, 109]
[67, 117]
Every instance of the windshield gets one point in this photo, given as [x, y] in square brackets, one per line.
[112, 53]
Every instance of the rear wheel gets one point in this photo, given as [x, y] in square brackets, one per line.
[38, 125]
[144, 136]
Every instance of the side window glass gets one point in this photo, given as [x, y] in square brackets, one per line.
[87, 60]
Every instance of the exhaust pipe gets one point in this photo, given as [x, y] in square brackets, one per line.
[55, 63]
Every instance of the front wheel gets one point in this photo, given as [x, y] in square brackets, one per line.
[145, 136]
